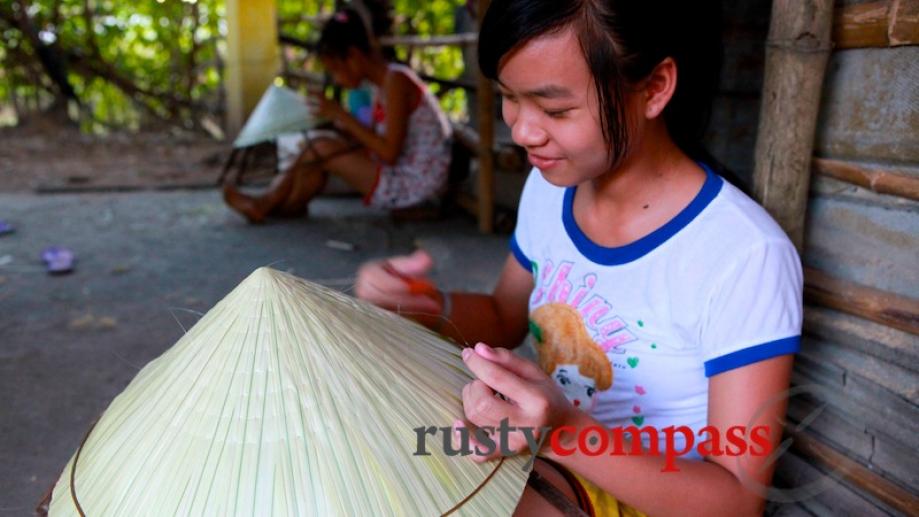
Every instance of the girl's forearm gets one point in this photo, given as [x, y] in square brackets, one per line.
[474, 317]
[697, 488]
[367, 137]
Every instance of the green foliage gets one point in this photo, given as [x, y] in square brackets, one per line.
[131, 64]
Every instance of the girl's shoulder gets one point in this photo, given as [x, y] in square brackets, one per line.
[402, 80]
[735, 214]
[402, 76]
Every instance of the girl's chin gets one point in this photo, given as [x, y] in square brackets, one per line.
[561, 178]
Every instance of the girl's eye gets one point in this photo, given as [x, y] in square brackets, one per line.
[557, 113]
[562, 380]
[590, 391]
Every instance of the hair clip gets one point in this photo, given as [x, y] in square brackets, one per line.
[341, 16]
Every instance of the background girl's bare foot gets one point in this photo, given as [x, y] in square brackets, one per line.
[245, 205]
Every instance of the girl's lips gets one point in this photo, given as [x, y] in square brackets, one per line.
[541, 162]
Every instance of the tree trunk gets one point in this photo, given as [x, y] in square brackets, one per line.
[51, 59]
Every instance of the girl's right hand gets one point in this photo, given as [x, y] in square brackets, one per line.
[392, 284]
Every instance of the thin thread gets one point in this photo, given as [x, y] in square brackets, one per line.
[124, 360]
[73, 470]
[184, 330]
[172, 311]
[465, 342]
[275, 262]
[476, 491]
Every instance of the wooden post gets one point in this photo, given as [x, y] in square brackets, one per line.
[252, 57]
[797, 51]
[486, 183]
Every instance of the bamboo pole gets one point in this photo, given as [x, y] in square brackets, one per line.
[486, 183]
[882, 307]
[797, 51]
[882, 181]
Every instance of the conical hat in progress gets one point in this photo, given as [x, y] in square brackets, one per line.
[288, 398]
[280, 110]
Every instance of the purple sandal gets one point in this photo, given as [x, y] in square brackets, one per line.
[58, 260]
[6, 228]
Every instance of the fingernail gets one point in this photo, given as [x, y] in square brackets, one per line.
[457, 425]
[466, 353]
[482, 348]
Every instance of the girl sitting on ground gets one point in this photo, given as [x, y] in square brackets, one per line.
[400, 161]
[689, 290]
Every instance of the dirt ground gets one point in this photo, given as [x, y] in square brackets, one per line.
[45, 156]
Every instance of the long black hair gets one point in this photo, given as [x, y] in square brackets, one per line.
[622, 41]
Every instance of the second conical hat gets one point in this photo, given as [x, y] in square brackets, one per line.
[280, 110]
[285, 399]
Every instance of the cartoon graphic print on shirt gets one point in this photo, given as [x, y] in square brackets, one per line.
[577, 333]
[553, 286]
[569, 355]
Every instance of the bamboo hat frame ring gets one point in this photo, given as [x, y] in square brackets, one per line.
[76, 502]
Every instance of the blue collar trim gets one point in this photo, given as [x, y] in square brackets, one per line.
[635, 250]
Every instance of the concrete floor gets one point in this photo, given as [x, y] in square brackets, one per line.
[147, 263]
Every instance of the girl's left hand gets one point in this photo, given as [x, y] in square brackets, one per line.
[533, 399]
[323, 107]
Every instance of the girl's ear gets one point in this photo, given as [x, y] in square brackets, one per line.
[659, 87]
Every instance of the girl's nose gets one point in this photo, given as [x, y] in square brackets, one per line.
[526, 133]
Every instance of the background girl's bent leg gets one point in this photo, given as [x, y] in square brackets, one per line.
[307, 175]
[357, 169]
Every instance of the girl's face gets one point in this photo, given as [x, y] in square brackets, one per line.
[345, 72]
[551, 105]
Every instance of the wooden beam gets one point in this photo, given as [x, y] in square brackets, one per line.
[486, 176]
[893, 310]
[854, 472]
[861, 25]
[882, 181]
[884, 23]
[797, 51]
[466, 39]
[449, 83]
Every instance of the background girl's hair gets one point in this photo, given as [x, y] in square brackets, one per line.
[622, 41]
[357, 26]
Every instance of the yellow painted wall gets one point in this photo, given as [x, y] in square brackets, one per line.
[252, 57]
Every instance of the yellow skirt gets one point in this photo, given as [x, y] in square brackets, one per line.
[602, 503]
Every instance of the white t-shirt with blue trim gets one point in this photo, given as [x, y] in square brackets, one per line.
[632, 333]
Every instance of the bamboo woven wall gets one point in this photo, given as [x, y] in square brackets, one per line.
[861, 339]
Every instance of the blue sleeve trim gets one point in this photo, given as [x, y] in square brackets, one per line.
[519, 255]
[753, 354]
